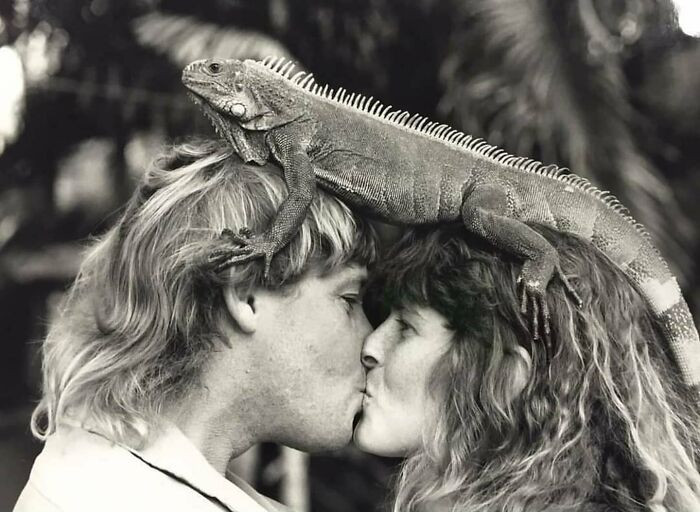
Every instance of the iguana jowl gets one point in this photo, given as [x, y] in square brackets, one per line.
[404, 169]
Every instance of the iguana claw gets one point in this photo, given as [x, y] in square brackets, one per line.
[568, 286]
[244, 246]
[533, 298]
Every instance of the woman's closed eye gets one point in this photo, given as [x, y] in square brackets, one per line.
[405, 327]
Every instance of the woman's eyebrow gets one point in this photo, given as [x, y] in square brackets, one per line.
[408, 309]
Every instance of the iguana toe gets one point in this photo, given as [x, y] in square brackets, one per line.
[225, 258]
[242, 247]
[533, 304]
[569, 287]
[245, 232]
[243, 236]
[244, 250]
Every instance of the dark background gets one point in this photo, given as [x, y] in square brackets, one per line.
[90, 89]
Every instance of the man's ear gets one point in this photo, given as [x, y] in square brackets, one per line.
[241, 309]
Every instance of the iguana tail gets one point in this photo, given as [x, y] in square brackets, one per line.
[675, 317]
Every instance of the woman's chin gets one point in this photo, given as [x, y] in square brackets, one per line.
[361, 438]
[369, 440]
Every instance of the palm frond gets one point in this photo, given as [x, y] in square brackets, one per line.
[548, 82]
[185, 38]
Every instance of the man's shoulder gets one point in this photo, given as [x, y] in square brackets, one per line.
[80, 471]
[268, 503]
[33, 500]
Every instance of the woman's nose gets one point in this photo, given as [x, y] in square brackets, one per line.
[369, 361]
[373, 349]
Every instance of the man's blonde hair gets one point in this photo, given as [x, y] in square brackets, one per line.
[143, 314]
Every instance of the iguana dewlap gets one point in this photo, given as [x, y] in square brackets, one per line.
[405, 169]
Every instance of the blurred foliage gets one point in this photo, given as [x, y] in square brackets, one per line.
[605, 87]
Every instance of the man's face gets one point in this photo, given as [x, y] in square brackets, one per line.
[308, 345]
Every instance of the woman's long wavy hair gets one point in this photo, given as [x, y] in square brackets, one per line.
[144, 312]
[602, 420]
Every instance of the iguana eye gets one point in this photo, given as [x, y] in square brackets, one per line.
[214, 67]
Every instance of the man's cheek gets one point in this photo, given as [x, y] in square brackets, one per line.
[349, 361]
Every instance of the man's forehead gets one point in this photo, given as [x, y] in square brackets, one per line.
[342, 275]
[334, 279]
[348, 274]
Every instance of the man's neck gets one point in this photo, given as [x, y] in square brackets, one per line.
[224, 416]
[217, 435]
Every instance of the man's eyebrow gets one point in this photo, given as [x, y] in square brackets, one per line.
[358, 278]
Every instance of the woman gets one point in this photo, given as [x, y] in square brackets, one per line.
[490, 420]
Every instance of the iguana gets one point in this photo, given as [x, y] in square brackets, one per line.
[405, 169]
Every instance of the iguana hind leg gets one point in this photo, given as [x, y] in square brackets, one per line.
[486, 212]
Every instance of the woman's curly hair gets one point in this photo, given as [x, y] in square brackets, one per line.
[600, 422]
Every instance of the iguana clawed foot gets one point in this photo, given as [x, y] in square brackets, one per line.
[241, 247]
[533, 299]
[533, 281]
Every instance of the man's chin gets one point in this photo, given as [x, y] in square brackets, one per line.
[328, 440]
[334, 431]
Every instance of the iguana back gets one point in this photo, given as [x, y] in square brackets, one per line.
[405, 169]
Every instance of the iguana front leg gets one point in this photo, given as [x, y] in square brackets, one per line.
[486, 212]
[299, 176]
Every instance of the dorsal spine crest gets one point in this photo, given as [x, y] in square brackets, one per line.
[442, 132]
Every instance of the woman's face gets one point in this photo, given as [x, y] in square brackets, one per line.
[399, 356]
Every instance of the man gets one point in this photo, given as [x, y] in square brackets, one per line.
[159, 370]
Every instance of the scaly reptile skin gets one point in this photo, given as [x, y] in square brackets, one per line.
[407, 170]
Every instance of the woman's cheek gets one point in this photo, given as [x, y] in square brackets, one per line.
[406, 377]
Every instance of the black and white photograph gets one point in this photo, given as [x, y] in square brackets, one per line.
[350, 256]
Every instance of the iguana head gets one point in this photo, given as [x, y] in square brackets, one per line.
[240, 98]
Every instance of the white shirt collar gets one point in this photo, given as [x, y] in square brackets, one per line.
[171, 452]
